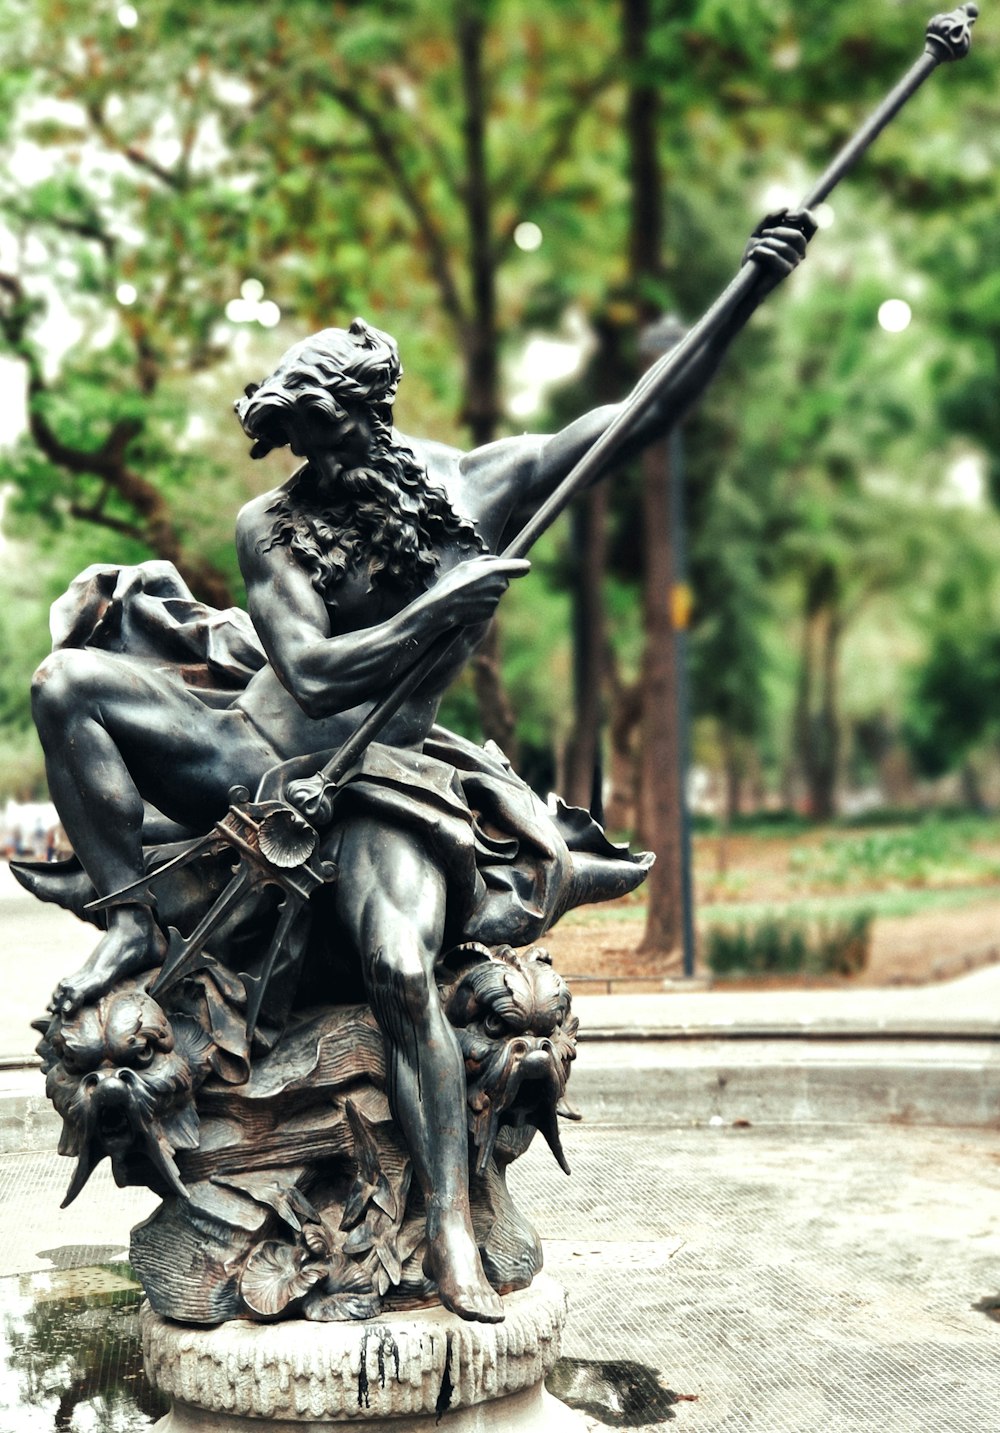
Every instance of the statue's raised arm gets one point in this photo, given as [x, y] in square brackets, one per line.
[531, 469]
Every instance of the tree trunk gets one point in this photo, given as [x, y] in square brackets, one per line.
[734, 769]
[583, 751]
[659, 782]
[626, 715]
[481, 399]
[659, 796]
[482, 372]
[972, 789]
[817, 720]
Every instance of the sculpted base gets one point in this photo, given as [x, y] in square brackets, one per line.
[402, 1374]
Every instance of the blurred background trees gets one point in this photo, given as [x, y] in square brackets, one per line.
[516, 191]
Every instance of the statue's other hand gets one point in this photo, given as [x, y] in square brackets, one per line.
[469, 593]
[778, 244]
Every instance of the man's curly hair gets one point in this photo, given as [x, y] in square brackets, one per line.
[385, 516]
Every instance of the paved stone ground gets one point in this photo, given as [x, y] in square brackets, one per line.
[792, 1280]
[809, 1280]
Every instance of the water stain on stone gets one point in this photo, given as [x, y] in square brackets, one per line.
[447, 1387]
[79, 1256]
[386, 1345]
[619, 1392]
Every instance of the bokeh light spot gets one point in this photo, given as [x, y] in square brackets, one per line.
[528, 236]
[894, 315]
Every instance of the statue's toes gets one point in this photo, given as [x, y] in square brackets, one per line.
[70, 994]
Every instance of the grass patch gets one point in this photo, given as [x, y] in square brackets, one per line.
[880, 903]
[933, 852]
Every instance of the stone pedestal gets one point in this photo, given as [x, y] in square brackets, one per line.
[402, 1373]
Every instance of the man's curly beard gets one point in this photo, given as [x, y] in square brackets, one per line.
[385, 519]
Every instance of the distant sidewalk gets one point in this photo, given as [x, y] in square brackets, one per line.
[966, 1007]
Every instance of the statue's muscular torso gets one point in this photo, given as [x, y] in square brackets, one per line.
[329, 661]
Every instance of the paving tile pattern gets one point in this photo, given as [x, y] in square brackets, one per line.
[814, 1281]
[817, 1280]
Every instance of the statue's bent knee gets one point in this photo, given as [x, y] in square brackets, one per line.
[58, 684]
[399, 982]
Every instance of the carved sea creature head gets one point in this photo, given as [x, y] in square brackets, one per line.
[326, 377]
[123, 1075]
[517, 1034]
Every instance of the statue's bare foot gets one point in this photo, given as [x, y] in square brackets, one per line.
[452, 1261]
[133, 942]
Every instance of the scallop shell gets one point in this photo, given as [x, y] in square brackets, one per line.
[275, 1276]
[286, 838]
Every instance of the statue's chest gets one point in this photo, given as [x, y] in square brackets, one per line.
[355, 601]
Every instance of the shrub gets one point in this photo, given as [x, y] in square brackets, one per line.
[930, 852]
[783, 945]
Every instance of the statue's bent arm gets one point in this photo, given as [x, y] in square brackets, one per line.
[328, 673]
[520, 473]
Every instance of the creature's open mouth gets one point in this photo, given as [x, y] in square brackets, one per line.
[114, 1129]
[115, 1123]
[533, 1086]
[116, 1120]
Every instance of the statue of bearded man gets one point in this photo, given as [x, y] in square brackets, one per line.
[374, 547]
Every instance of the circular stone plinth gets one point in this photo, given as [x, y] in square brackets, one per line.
[399, 1370]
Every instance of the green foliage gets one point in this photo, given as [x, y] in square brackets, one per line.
[934, 851]
[324, 150]
[727, 653]
[953, 700]
[22, 767]
[951, 705]
[785, 945]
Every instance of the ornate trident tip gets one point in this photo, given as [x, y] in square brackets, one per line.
[950, 36]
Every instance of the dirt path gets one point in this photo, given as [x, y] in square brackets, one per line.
[938, 943]
[906, 950]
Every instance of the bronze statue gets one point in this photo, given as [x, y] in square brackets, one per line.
[327, 1076]
[303, 1075]
[377, 546]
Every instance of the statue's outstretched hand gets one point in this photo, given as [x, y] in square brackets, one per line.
[469, 593]
[778, 244]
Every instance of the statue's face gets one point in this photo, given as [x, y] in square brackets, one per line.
[342, 440]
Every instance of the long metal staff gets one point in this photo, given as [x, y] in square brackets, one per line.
[948, 37]
[277, 846]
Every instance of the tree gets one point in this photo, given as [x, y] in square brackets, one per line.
[353, 158]
[952, 704]
[192, 155]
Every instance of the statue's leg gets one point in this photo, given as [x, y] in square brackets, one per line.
[115, 732]
[391, 896]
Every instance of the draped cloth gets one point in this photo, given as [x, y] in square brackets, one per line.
[514, 864]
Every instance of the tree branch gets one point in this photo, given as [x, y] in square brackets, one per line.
[95, 514]
[386, 147]
[529, 192]
[131, 152]
[428, 140]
